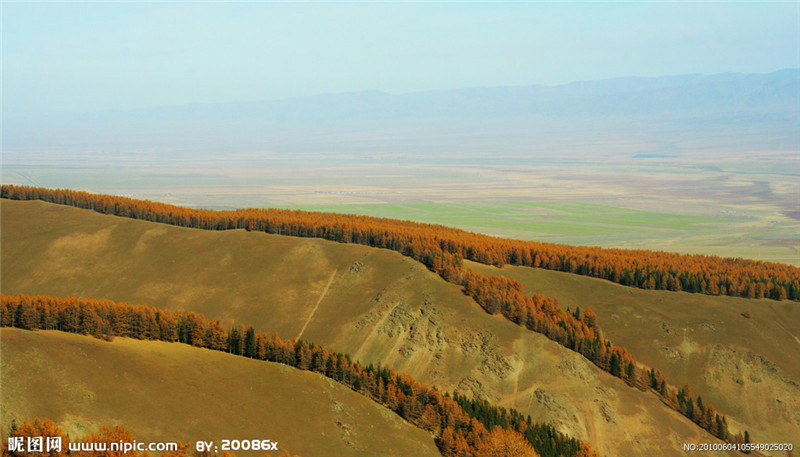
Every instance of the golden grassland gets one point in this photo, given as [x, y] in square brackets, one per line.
[748, 367]
[175, 392]
[372, 303]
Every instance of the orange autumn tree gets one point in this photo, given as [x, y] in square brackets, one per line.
[504, 443]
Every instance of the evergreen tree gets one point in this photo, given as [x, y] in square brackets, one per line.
[250, 347]
[615, 366]
[234, 341]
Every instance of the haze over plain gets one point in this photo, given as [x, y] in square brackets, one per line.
[432, 112]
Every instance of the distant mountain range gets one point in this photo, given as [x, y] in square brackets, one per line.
[676, 112]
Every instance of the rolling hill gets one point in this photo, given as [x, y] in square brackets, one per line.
[747, 366]
[372, 303]
[173, 392]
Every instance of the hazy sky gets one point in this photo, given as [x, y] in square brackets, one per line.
[77, 57]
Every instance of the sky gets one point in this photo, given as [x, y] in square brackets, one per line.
[74, 57]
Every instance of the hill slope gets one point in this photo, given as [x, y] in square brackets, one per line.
[170, 391]
[374, 304]
[749, 367]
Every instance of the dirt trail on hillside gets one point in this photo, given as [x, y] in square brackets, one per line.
[313, 311]
[787, 331]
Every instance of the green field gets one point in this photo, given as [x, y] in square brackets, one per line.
[533, 219]
[578, 223]
[377, 306]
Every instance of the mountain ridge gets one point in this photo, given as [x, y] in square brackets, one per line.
[444, 121]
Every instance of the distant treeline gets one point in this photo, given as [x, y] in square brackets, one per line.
[638, 268]
[462, 427]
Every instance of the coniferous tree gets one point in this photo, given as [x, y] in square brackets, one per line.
[250, 347]
[234, 341]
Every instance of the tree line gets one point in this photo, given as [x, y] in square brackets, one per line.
[461, 428]
[637, 268]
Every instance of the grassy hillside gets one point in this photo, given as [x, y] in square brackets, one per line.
[374, 304]
[170, 391]
[746, 366]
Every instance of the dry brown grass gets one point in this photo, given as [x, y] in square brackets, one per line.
[170, 391]
[380, 308]
[748, 368]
